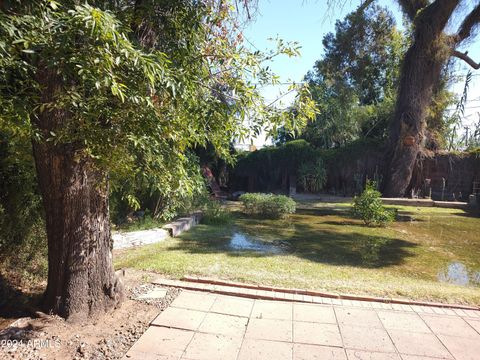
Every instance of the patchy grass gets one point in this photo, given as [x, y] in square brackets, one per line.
[323, 247]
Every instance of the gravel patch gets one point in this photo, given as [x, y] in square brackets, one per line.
[51, 337]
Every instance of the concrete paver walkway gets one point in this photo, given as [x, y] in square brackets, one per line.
[205, 326]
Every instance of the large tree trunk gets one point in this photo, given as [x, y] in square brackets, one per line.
[81, 279]
[421, 72]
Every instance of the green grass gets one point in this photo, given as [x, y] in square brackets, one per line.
[328, 250]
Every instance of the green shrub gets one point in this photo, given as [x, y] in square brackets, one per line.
[23, 239]
[268, 205]
[312, 175]
[215, 214]
[368, 207]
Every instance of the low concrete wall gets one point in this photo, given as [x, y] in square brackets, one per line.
[183, 224]
[123, 240]
[326, 198]
[425, 203]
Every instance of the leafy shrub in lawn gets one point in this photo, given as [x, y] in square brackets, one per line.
[268, 205]
[368, 207]
[215, 214]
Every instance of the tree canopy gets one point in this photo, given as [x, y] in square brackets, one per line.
[142, 83]
[354, 83]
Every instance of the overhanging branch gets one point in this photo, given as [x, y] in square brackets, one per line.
[472, 19]
[365, 4]
[466, 58]
[411, 7]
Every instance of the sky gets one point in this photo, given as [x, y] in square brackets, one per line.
[307, 21]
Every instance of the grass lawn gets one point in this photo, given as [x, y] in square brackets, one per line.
[322, 247]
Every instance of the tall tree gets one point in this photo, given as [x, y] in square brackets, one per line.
[430, 49]
[114, 89]
[358, 72]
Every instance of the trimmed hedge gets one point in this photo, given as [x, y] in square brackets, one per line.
[268, 205]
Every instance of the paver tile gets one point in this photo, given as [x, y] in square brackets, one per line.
[358, 316]
[316, 333]
[272, 310]
[449, 311]
[369, 355]
[157, 293]
[314, 313]
[438, 311]
[213, 347]
[162, 341]
[427, 309]
[253, 349]
[232, 306]
[315, 352]
[224, 325]
[180, 318]
[366, 304]
[410, 343]
[462, 348]
[194, 300]
[403, 321]
[361, 338]
[201, 326]
[474, 323]
[455, 326]
[460, 312]
[473, 313]
[269, 329]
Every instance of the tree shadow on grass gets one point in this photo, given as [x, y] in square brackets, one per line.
[303, 240]
[470, 212]
[344, 211]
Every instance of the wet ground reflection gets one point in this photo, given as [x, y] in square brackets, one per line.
[459, 274]
[242, 241]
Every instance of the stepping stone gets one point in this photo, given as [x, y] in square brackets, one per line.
[153, 294]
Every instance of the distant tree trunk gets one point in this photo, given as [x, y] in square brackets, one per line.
[81, 279]
[421, 72]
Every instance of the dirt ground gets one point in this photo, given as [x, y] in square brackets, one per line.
[42, 336]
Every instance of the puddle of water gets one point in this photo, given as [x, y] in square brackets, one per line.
[458, 274]
[242, 241]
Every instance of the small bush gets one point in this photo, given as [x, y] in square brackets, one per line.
[268, 205]
[215, 214]
[368, 207]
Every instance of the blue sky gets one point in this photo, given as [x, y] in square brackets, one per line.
[307, 21]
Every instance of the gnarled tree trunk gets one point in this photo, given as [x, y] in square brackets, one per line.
[421, 72]
[81, 279]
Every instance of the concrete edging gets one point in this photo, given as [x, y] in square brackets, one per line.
[124, 240]
[183, 224]
[208, 281]
[425, 203]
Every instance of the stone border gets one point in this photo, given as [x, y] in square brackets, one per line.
[302, 295]
[425, 203]
[183, 224]
[129, 239]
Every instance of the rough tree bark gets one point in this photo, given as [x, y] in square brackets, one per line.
[81, 279]
[421, 71]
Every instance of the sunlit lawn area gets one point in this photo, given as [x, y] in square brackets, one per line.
[322, 247]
